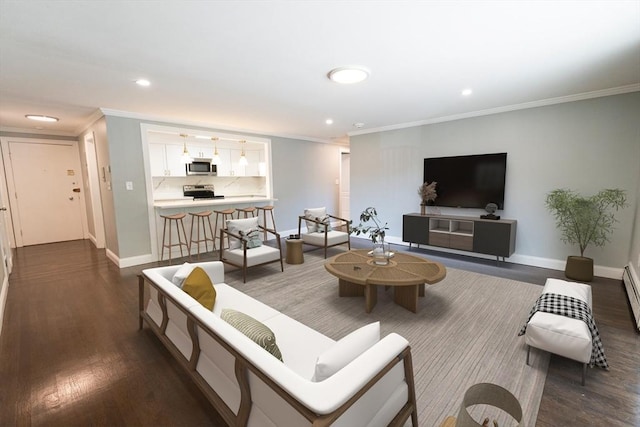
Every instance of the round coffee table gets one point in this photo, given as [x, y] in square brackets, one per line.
[358, 275]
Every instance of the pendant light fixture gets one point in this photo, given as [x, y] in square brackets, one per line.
[216, 157]
[185, 158]
[243, 159]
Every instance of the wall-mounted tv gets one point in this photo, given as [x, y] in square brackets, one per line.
[468, 181]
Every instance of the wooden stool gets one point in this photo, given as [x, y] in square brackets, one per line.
[264, 210]
[199, 217]
[178, 220]
[226, 214]
[250, 211]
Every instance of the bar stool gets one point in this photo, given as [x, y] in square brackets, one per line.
[178, 221]
[264, 210]
[250, 211]
[199, 217]
[226, 214]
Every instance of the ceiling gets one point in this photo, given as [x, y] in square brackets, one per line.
[262, 65]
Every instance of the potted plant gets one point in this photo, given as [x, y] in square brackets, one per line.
[371, 224]
[428, 194]
[584, 221]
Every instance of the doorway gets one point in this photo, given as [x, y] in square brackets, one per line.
[345, 162]
[44, 183]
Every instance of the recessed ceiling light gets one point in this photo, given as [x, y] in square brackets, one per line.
[329, 121]
[467, 92]
[143, 82]
[348, 75]
[41, 118]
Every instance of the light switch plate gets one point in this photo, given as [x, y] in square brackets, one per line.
[129, 185]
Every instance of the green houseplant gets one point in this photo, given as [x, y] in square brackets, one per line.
[584, 221]
[372, 225]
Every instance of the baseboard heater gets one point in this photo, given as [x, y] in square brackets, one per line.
[633, 293]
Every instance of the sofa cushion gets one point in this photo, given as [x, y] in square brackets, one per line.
[345, 350]
[257, 331]
[314, 213]
[235, 226]
[182, 273]
[333, 238]
[199, 286]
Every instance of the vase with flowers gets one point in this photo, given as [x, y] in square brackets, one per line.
[428, 194]
[370, 224]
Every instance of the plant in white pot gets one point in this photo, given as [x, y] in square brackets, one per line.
[584, 221]
[372, 225]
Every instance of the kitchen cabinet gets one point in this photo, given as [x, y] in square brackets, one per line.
[165, 160]
[254, 157]
[202, 150]
[224, 165]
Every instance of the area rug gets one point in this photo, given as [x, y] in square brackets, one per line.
[465, 331]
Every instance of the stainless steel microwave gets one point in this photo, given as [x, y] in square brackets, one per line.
[201, 167]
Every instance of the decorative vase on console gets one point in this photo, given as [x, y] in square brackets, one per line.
[427, 193]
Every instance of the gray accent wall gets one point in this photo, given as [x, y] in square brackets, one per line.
[585, 145]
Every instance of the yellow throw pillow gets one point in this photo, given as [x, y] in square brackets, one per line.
[199, 286]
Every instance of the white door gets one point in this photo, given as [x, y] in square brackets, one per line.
[46, 200]
[345, 162]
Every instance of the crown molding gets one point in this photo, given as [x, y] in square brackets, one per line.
[541, 103]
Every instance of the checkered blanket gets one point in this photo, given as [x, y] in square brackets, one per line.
[576, 309]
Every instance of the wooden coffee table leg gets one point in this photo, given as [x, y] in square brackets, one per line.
[370, 297]
[421, 290]
[407, 297]
[349, 289]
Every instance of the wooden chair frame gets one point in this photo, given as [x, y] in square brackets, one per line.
[243, 267]
[320, 223]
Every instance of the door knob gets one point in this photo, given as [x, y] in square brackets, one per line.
[3, 209]
[76, 190]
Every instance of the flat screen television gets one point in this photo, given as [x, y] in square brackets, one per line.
[468, 181]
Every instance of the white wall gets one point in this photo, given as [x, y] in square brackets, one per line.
[585, 145]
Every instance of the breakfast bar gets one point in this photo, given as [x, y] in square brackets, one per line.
[190, 205]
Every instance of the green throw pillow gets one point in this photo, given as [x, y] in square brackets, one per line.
[258, 332]
[199, 286]
[252, 237]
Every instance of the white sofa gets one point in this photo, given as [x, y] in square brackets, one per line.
[248, 386]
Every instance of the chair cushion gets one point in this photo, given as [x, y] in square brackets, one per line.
[314, 213]
[345, 350]
[256, 331]
[255, 256]
[333, 238]
[244, 225]
[199, 286]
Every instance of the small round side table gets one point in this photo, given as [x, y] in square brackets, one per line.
[294, 251]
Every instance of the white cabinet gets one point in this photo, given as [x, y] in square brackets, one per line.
[165, 160]
[200, 150]
[224, 165]
[254, 157]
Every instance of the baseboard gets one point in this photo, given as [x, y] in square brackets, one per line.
[130, 261]
[3, 299]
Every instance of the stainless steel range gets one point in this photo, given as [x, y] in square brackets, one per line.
[198, 192]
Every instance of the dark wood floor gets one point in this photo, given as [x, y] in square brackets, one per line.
[71, 353]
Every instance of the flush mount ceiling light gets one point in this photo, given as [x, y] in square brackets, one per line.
[143, 82]
[329, 121]
[467, 92]
[41, 118]
[348, 75]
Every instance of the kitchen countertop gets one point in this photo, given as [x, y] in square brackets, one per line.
[188, 202]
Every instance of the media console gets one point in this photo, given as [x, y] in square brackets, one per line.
[483, 236]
